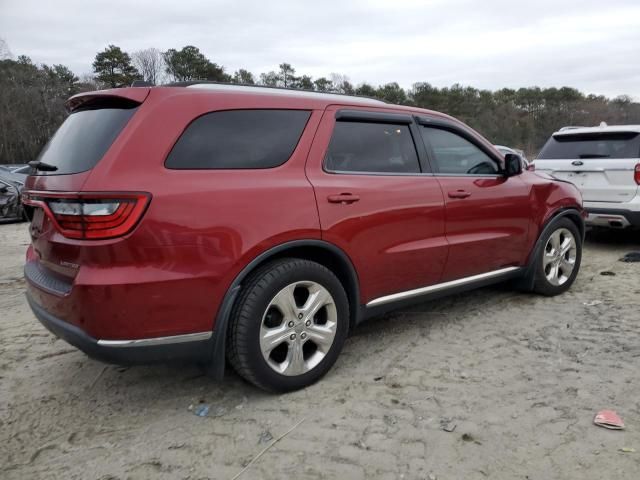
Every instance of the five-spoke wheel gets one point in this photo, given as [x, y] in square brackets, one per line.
[557, 258]
[288, 325]
[298, 328]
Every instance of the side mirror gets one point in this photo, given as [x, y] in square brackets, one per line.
[512, 165]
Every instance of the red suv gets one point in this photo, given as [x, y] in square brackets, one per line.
[261, 225]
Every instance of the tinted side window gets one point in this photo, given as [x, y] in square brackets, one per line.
[239, 139]
[456, 155]
[372, 148]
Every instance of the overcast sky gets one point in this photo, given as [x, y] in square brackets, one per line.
[590, 45]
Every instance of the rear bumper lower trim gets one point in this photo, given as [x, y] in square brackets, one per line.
[193, 347]
[603, 217]
[148, 342]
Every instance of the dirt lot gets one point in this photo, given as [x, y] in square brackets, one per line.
[519, 376]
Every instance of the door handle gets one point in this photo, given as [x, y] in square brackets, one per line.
[343, 198]
[459, 194]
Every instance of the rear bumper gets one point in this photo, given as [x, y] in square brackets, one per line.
[612, 217]
[193, 347]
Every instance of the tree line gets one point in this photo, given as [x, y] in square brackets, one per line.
[32, 97]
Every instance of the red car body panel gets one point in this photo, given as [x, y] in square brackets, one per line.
[487, 230]
[203, 227]
[394, 234]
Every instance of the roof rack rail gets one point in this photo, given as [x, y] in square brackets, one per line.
[191, 83]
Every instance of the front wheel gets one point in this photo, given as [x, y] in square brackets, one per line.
[558, 259]
[289, 325]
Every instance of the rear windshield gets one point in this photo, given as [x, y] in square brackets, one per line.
[83, 139]
[610, 145]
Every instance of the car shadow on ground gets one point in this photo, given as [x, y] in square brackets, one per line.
[192, 380]
[608, 236]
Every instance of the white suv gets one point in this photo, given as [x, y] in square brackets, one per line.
[604, 163]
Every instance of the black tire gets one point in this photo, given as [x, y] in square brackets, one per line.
[541, 284]
[243, 341]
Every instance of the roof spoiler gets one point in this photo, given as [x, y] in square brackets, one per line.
[134, 95]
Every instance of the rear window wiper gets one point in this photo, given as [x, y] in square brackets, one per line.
[593, 155]
[41, 166]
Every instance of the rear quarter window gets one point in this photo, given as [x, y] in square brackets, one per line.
[239, 139]
[610, 145]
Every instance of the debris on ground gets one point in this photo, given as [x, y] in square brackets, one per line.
[389, 420]
[631, 257]
[608, 419]
[202, 410]
[592, 303]
[448, 425]
[377, 379]
[628, 450]
[467, 437]
[265, 437]
[608, 273]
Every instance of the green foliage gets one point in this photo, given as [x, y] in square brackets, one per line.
[305, 82]
[113, 68]
[243, 76]
[32, 97]
[392, 93]
[31, 106]
[366, 90]
[190, 64]
[523, 118]
[286, 75]
[323, 84]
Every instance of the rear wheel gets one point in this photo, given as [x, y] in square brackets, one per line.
[289, 325]
[558, 260]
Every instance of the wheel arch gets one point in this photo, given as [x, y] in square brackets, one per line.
[571, 213]
[320, 251]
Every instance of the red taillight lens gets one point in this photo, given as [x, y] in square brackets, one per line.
[636, 174]
[94, 216]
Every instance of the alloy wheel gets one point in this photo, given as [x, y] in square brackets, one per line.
[298, 328]
[559, 257]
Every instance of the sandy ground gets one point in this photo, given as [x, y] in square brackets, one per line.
[519, 376]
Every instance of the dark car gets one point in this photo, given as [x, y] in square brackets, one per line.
[10, 204]
[206, 221]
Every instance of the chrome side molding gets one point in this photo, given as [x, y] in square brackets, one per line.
[152, 342]
[439, 286]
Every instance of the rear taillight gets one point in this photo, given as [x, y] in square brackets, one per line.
[91, 216]
[636, 174]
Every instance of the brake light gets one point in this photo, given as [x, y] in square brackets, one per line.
[636, 175]
[91, 216]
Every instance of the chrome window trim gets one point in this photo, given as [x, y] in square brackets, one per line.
[480, 175]
[379, 174]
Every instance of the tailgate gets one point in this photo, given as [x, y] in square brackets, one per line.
[598, 182]
[63, 167]
[600, 163]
